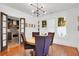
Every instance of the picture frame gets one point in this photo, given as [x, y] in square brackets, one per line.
[61, 21]
[26, 24]
[78, 19]
[34, 25]
[78, 23]
[31, 25]
[78, 27]
[44, 23]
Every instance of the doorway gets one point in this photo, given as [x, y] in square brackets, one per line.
[13, 31]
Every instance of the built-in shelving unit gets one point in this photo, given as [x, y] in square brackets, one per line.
[13, 30]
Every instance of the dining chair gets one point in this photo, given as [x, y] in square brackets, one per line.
[47, 45]
[42, 44]
[25, 44]
[34, 34]
[52, 36]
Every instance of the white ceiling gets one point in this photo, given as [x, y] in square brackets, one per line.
[49, 7]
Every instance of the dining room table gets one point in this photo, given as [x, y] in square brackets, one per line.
[31, 41]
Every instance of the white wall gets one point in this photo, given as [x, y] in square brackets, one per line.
[16, 13]
[29, 30]
[71, 15]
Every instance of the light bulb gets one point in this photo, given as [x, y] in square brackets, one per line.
[44, 12]
[42, 6]
[32, 11]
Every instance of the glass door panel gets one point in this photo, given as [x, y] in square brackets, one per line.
[4, 31]
[22, 27]
[4, 24]
[4, 43]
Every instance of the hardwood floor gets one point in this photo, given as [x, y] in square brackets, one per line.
[55, 50]
[13, 51]
[61, 50]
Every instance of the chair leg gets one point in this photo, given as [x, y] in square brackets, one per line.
[24, 52]
[32, 53]
[50, 52]
[52, 49]
[28, 52]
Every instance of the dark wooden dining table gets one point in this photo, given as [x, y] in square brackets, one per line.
[31, 41]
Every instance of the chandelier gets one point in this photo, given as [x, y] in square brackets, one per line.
[39, 10]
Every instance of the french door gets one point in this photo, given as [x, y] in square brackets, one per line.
[3, 31]
[22, 28]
